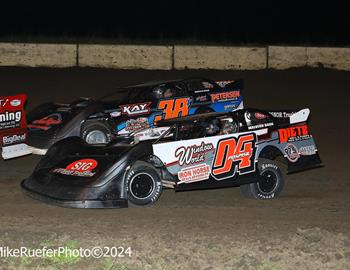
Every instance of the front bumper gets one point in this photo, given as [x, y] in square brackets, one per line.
[73, 196]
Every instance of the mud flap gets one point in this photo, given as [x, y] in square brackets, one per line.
[305, 163]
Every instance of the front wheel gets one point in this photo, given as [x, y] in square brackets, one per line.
[143, 184]
[270, 184]
[96, 133]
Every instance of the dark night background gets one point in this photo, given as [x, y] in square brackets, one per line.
[225, 22]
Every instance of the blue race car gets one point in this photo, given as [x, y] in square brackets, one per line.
[129, 110]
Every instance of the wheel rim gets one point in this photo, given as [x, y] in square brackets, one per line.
[267, 182]
[96, 136]
[142, 185]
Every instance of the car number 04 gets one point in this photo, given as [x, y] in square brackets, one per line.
[234, 155]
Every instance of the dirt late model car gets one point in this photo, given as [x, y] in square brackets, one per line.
[209, 150]
[130, 109]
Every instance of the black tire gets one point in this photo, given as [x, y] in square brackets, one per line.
[143, 184]
[270, 184]
[103, 132]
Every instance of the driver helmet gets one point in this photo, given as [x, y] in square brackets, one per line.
[212, 128]
[158, 92]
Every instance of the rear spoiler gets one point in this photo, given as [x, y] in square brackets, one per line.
[300, 116]
[290, 117]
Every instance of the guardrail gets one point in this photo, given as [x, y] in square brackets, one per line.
[172, 57]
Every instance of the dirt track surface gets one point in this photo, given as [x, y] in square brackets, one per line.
[308, 227]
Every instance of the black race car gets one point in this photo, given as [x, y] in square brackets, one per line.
[128, 110]
[207, 150]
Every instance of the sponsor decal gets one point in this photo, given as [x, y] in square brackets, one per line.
[291, 152]
[207, 85]
[133, 125]
[202, 91]
[151, 133]
[12, 139]
[247, 117]
[172, 108]
[293, 134]
[282, 114]
[136, 109]
[80, 168]
[260, 116]
[230, 107]
[225, 96]
[234, 155]
[264, 125]
[194, 174]
[202, 98]
[193, 154]
[115, 114]
[224, 83]
[3, 102]
[307, 150]
[15, 102]
[12, 114]
[47, 122]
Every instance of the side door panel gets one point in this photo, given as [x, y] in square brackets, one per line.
[224, 160]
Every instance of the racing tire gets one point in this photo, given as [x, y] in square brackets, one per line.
[143, 184]
[271, 182]
[96, 133]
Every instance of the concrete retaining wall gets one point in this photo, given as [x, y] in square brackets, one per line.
[172, 57]
[126, 56]
[336, 58]
[213, 57]
[288, 57]
[37, 55]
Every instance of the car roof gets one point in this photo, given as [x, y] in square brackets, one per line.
[155, 83]
[147, 85]
[152, 83]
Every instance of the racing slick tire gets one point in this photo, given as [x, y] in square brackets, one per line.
[270, 184]
[96, 133]
[143, 184]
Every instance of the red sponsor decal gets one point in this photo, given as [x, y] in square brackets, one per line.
[224, 96]
[295, 133]
[47, 122]
[133, 125]
[82, 165]
[234, 155]
[136, 109]
[173, 108]
[194, 174]
[260, 115]
[12, 116]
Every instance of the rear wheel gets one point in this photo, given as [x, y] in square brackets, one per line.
[143, 184]
[270, 184]
[96, 133]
